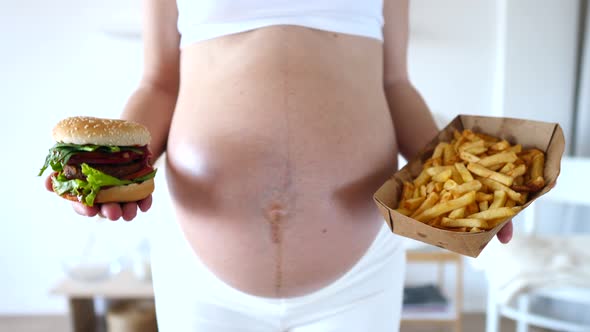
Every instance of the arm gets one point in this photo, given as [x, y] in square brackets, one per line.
[409, 112]
[414, 124]
[153, 103]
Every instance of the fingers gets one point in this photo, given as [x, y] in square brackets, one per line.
[505, 234]
[129, 211]
[111, 211]
[48, 185]
[145, 204]
[84, 210]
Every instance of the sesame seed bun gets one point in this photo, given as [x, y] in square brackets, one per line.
[121, 194]
[90, 130]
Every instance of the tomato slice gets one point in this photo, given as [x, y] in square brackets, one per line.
[144, 171]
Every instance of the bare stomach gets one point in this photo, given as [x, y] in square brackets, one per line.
[278, 141]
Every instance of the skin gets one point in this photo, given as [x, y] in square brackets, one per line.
[297, 185]
[128, 211]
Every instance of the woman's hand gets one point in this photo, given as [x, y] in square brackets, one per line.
[112, 211]
[505, 234]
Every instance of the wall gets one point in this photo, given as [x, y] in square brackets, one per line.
[55, 63]
[452, 54]
[540, 54]
[540, 78]
[500, 58]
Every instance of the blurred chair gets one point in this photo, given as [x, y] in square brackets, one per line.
[533, 266]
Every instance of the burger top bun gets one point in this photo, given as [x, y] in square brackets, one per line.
[90, 130]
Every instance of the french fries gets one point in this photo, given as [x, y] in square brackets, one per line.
[464, 222]
[469, 157]
[466, 187]
[449, 155]
[413, 203]
[422, 179]
[499, 199]
[427, 204]
[480, 197]
[499, 186]
[473, 183]
[443, 176]
[486, 173]
[500, 146]
[408, 191]
[538, 163]
[439, 150]
[463, 172]
[457, 214]
[483, 205]
[447, 206]
[434, 170]
[507, 168]
[495, 213]
[498, 158]
[517, 171]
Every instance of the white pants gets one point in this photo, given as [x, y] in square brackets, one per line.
[189, 298]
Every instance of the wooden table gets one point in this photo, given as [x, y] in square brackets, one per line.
[440, 257]
[81, 296]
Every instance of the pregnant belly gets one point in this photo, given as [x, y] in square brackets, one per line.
[272, 182]
[278, 205]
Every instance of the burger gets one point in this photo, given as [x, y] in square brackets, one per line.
[99, 160]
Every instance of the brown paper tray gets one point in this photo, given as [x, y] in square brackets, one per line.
[547, 137]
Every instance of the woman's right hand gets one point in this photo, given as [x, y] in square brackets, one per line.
[112, 211]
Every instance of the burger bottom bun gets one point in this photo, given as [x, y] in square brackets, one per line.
[129, 193]
[121, 194]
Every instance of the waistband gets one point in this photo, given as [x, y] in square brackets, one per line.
[359, 26]
[187, 270]
[387, 248]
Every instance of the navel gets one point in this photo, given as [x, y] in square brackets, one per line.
[274, 214]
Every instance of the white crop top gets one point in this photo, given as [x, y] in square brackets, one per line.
[205, 19]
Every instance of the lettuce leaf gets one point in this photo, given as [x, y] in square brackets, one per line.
[87, 147]
[97, 178]
[87, 190]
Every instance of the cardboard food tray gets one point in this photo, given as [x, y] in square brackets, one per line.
[547, 137]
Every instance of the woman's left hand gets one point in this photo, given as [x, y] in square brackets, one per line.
[505, 234]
